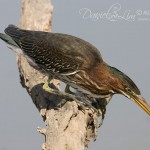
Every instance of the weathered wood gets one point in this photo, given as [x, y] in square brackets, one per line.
[68, 128]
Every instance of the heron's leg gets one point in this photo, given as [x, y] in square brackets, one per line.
[46, 86]
[67, 90]
[81, 101]
[101, 108]
[103, 111]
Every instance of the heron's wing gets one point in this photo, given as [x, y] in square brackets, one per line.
[60, 53]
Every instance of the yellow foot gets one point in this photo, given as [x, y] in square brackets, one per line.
[47, 88]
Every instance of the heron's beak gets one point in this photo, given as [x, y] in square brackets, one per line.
[138, 99]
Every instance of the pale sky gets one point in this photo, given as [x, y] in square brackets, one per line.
[123, 43]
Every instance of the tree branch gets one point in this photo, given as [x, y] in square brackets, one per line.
[68, 127]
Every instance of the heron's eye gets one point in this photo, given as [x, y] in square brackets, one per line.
[128, 90]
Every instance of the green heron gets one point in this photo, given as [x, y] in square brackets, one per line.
[75, 62]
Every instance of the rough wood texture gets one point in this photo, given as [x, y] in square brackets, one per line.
[68, 128]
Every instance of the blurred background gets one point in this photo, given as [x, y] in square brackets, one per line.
[121, 31]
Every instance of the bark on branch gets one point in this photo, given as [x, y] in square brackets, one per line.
[68, 128]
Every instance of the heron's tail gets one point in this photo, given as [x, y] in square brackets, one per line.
[11, 43]
[6, 38]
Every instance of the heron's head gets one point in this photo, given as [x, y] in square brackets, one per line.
[125, 86]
